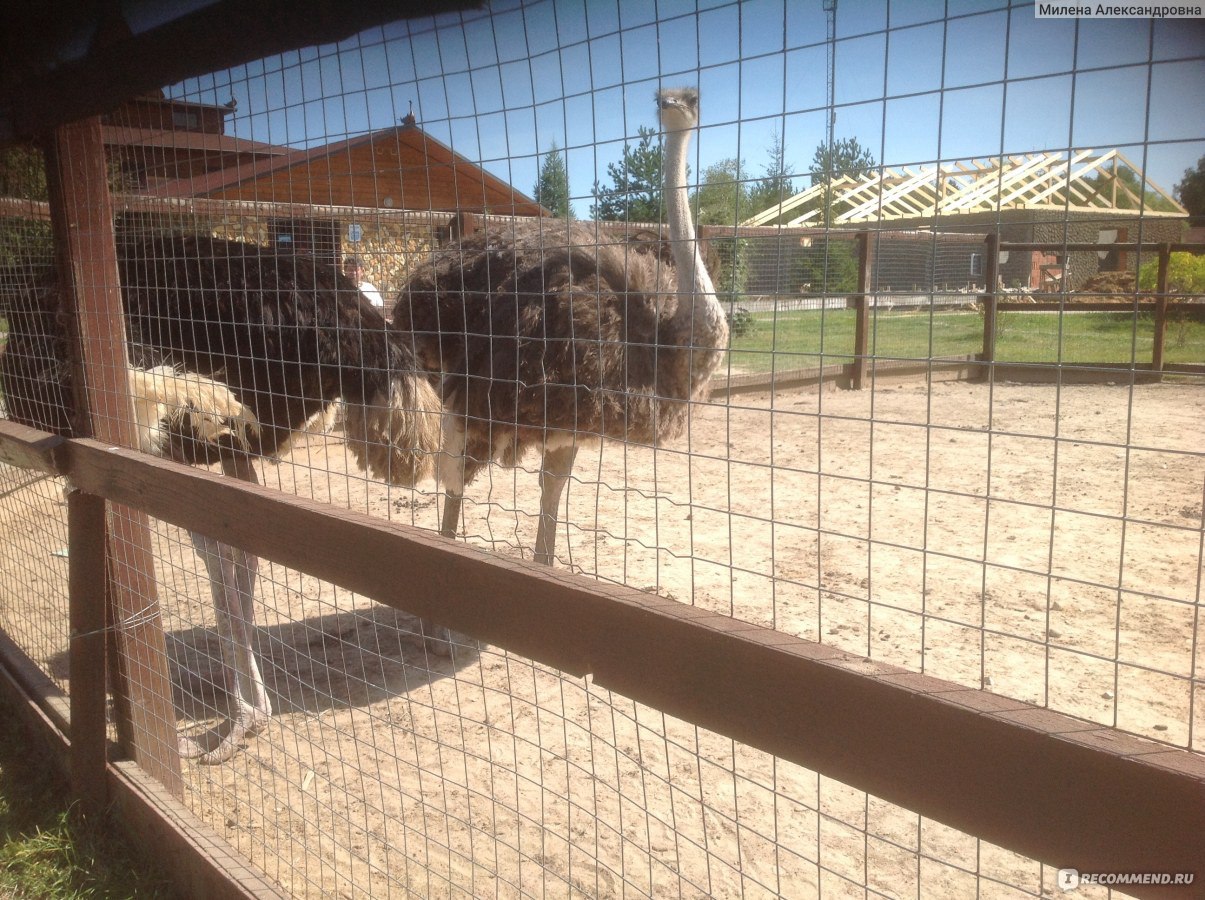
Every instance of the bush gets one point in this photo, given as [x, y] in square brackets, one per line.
[741, 322]
[829, 267]
[731, 268]
[1185, 274]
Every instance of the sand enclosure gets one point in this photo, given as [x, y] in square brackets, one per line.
[1042, 542]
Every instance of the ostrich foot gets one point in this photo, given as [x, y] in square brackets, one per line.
[436, 639]
[440, 641]
[219, 743]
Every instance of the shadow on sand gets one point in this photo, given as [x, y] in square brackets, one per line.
[336, 661]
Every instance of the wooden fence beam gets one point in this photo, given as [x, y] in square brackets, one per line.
[82, 219]
[1039, 783]
[29, 448]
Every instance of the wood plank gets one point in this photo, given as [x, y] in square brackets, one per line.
[40, 702]
[862, 304]
[1165, 258]
[1073, 305]
[755, 382]
[937, 749]
[28, 448]
[991, 298]
[1073, 373]
[82, 219]
[86, 561]
[198, 860]
[20, 208]
[1071, 246]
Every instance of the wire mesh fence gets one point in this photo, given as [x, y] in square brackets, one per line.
[1042, 542]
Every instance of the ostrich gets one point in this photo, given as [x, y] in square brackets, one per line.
[232, 349]
[544, 339]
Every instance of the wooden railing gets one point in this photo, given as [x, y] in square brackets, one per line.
[1037, 782]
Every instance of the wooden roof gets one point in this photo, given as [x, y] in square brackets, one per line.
[395, 168]
[165, 154]
[1037, 181]
[49, 73]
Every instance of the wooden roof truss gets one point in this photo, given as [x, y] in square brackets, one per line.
[1055, 181]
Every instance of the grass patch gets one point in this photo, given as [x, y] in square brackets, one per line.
[1121, 338]
[46, 852]
[810, 338]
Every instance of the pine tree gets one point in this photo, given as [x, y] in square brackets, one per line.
[723, 195]
[847, 157]
[777, 185]
[1191, 192]
[723, 199]
[635, 192]
[552, 188]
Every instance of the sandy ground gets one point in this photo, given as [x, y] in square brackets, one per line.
[1043, 543]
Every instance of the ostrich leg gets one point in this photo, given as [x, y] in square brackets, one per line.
[436, 638]
[232, 574]
[555, 470]
[451, 519]
[451, 473]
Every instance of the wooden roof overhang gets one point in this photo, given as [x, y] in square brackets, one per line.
[171, 154]
[80, 58]
[395, 168]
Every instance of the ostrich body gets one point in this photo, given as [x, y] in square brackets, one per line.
[545, 339]
[232, 349]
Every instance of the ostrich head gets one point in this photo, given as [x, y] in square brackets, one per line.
[679, 108]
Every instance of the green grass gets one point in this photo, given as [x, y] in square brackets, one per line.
[1096, 337]
[806, 339]
[46, 852]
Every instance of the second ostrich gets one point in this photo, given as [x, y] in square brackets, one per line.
[232, 349]
[544, 338]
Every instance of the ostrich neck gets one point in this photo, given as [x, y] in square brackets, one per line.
[694, 284]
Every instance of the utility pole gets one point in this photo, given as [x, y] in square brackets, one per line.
[830, 14]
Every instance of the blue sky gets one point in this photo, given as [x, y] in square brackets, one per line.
[913, 83]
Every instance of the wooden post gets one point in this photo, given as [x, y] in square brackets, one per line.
[86, 561]
[1165, 258]
[991, 271]
[82, 219]
[464, 224]
[862, 307]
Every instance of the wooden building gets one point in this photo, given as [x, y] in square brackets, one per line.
[395, 168]
[383, 196]
[1080, 197]
[153, 140]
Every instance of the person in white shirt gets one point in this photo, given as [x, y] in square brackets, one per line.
[354, 269]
